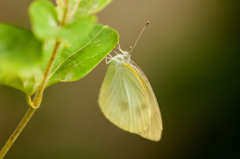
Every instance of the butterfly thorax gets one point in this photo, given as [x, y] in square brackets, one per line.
[122, 58]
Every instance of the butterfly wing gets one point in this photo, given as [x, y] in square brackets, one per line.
[122, 99]
[154, 131]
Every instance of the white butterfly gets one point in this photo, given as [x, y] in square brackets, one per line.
[126, 98]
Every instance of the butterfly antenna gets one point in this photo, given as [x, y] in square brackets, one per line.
[139, 36]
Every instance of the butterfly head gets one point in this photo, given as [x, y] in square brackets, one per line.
[126, 56]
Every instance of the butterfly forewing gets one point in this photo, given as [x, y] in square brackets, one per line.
[123, 98]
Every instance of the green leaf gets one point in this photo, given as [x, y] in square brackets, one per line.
[20, 52]
[44, 19]
[80, 8]
[78, 57]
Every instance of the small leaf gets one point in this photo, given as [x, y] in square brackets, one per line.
[77, 59]
[20, 52]
[88, 7]
[44, 19]
[80, 8]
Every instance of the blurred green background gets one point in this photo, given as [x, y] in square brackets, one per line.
[190, 54]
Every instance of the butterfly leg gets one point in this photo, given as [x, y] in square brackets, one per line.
[119, 48]
[108, 60]
[115, 52]
[110, 55]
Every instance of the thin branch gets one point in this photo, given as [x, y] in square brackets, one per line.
[33, 105]
[29, 100]
[16, 133]
[64, 14]
[38, 97]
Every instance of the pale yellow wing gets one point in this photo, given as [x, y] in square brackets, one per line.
[154, 131]
[122, 99]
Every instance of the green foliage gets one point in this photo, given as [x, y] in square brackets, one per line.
[19, 56]
[84, 44]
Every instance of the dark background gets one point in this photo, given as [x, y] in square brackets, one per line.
[190, 54]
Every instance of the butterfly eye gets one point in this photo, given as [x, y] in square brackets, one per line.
[126, 56]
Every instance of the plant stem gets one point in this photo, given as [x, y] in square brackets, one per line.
[29, 100]
[16, 133]
[38, 96]
[65, 13]
[33, 105]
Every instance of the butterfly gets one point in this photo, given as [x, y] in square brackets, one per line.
[127, 99]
